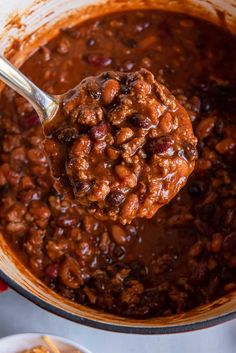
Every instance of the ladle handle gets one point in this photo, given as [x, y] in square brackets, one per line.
[45, 105]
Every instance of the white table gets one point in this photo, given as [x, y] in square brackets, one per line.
[18, 315]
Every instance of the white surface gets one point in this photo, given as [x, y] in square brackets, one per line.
[17, 315]
[20, 342]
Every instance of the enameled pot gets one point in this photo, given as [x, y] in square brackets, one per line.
[32, 21]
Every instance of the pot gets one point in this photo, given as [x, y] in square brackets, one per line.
[28, 21]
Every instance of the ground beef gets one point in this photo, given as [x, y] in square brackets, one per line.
[122, 145]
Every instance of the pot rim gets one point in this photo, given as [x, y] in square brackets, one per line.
[115, 327]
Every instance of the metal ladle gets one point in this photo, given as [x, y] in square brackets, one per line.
[45, 105]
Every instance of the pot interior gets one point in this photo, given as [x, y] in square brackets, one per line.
[30, 25]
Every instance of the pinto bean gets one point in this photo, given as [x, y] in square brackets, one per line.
[205, 127]
[70, 273]
[110, 89]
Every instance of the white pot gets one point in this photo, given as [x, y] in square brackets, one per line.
[29, 21]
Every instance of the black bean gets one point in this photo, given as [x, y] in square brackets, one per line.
[83, 129]
[195, 190]
[67, 134]
[96, 94]
[90, 42]
[125, 89]
[140, 121]
[82, 186]
[129, 42]
[139, 270]
[116, 198]
[126, 84]
[119, 252]
[207, 211]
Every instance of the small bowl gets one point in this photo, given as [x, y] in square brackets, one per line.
[21, 342]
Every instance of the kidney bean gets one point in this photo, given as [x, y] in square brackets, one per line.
[29, 121]
[127, 66]
[52, 271]
[98, 132]
[160, 146]
[98, 60]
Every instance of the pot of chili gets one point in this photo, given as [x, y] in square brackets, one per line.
[174, 272]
